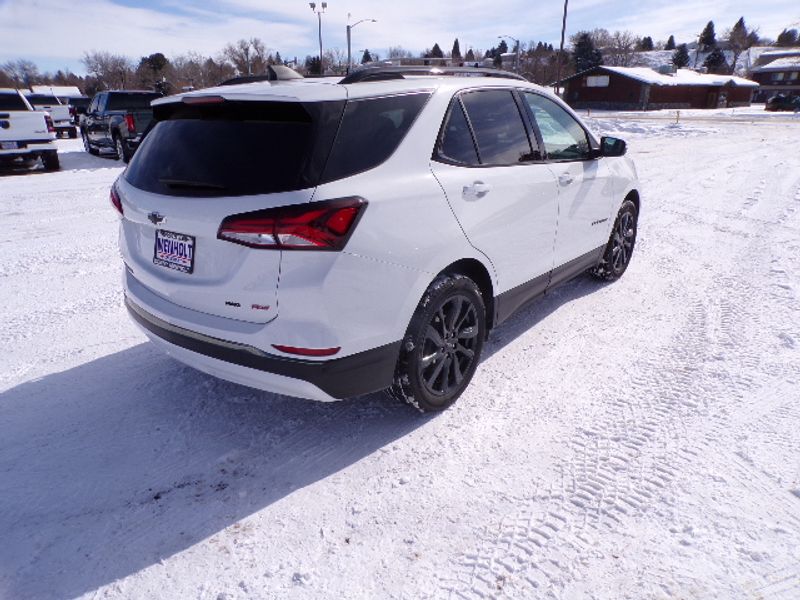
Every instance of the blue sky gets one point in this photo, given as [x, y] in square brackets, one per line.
[56, 33]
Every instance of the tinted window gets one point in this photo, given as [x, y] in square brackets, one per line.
[42, 100]
[563, 137]
[130, 101]
[235, 148]
[498, 126]
[370, 132]
[12, 102]
[457, 144]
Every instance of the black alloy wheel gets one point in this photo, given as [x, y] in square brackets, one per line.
[620, 246]
[449, 347]
[442, 346]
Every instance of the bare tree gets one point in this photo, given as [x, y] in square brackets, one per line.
[249, 57]
[740, 39]
[111, 71]
[399, 52]
[23, 73]
[620, 52]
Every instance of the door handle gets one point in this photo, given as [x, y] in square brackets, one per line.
[478, 189]
[565, 179]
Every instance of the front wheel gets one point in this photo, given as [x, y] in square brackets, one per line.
[87, 145]
[442, 346]
[620, 245]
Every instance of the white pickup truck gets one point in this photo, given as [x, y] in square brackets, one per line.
[25, 134]
[62, 119]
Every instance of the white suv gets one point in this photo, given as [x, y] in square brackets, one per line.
[325, 239]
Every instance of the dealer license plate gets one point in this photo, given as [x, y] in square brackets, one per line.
[9, 145]
[174, 251]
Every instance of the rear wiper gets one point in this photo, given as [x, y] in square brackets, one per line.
[185, 183]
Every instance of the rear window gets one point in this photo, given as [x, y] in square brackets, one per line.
[42, 100]
[12, 102]
[235, 148]
[130, 101]
[371, 131]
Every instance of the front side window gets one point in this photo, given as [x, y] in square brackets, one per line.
[563, 137]
[498, 127]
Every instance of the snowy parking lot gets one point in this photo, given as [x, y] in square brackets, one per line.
[639, 439]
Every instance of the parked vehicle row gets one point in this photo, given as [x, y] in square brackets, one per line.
[26, 135]
[58, 111]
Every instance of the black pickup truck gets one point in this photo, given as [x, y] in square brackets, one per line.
[116, 120]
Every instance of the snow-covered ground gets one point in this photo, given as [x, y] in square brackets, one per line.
[632, 440]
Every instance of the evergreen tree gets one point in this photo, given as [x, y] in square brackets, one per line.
[787, 37]
[715, 62]
[455, 53]
[680, 58]
[278, 59]
[502, 47]
[646, 44]
[436, 52]
[313, 65]
[708, 39]
[470, 58]
[670, 43]
[585, 55]
[366, 58]
[739, 40]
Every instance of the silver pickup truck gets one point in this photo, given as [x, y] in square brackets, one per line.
[25, 134]
[62, 119]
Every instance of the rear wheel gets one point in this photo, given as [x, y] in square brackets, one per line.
[50, 161]
[87, 145]
[73, 133]
[123, 153]
[620, 244]
[442, 346]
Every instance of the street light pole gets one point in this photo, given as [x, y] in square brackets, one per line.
[516, 58]
[349, 35]
[319, 12]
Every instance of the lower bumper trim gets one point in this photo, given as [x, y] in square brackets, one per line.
[345, 377]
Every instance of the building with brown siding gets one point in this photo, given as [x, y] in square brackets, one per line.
[642, 88]
[777, 71]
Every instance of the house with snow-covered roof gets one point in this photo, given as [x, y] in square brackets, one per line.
[777, 71]
[642, 88]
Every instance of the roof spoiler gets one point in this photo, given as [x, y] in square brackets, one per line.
[382, 73]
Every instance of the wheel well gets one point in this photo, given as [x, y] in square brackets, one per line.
[633, 196]
[478, 273]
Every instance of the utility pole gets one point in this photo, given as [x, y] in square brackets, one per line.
[516, 58]
[561, 49]
[319, 12]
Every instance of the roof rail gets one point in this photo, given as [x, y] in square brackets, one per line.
[381, 73]
[274, 73]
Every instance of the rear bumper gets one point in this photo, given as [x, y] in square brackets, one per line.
[353, 375]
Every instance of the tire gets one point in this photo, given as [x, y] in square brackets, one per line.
[73, 133]
[619, 249]
[88, 146]
[50, 161]
[123, 153]
[442, 346]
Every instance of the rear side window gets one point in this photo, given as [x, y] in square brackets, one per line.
[370, 132]
[498, 126]
[235, 148]
[457, 145]
[12, 102]
[130, 101]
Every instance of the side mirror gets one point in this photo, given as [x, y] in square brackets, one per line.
[610, 146]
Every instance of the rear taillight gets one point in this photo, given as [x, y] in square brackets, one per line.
[72, 111]
[50, 127]
[115, 200]
[130, 124]
[325, 225]
[307, 351]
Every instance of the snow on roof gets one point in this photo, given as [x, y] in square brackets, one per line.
[682, 77]
[62, 91]
[780, 64]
